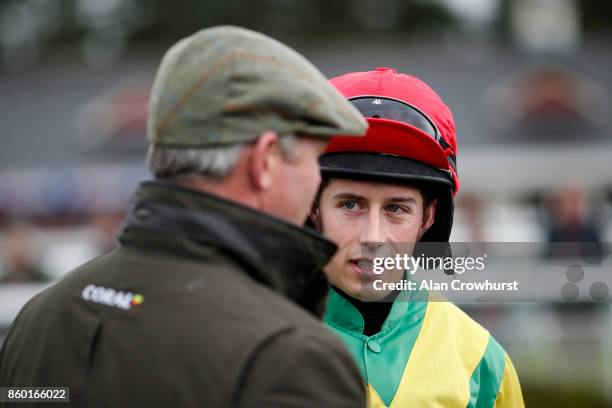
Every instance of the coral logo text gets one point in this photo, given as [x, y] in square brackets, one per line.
[111, 297]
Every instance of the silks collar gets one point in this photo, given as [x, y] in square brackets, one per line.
[342, 314]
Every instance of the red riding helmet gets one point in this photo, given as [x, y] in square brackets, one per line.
[411, 139]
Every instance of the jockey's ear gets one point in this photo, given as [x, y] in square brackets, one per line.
[314, 219]
[429, 216]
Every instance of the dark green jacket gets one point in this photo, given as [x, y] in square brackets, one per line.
[205, 303]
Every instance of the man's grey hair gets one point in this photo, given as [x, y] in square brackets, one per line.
[212, 162]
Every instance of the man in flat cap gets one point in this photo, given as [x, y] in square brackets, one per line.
[213, 295]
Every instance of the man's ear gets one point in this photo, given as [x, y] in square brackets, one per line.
[263, 160]
[429, 216]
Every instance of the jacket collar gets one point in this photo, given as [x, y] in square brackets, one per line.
[407, 307]
[278, 254]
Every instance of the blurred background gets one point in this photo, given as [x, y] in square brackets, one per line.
[528, 82]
